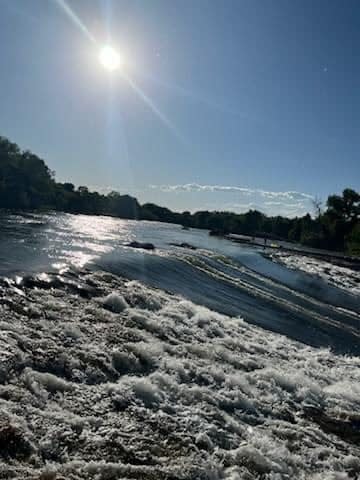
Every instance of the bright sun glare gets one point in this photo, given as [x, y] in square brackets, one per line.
[109, 58]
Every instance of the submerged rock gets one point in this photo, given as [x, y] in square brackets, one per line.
[184, 245]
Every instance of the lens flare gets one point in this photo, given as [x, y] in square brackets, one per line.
[154, 108]
[75, 19]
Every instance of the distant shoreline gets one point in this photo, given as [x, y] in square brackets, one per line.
[28, 184]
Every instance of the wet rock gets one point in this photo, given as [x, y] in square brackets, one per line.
[142, 245]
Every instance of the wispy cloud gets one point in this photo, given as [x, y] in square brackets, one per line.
[240, 199]
[195, 197]
[281, 208]
[196, 187]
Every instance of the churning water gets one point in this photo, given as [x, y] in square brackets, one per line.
[103, 376]
[229, 278]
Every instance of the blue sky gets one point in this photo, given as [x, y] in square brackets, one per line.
[257, 101]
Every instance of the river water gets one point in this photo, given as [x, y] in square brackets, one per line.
[229, 278]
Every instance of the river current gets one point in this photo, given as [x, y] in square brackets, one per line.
[231, 279]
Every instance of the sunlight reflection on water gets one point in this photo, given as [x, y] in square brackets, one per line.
[226, 277]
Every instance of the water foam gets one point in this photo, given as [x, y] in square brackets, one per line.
[131, 382]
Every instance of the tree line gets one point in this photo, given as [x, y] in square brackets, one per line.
[27, 183]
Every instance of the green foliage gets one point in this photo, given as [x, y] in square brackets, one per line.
[353, 241]
[345, 207]
[27, 183]
[25, 180]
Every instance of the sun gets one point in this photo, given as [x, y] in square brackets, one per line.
[110, 58]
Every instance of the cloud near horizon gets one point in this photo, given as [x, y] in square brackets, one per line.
[195, 187]
[288, 203]
[195, 197]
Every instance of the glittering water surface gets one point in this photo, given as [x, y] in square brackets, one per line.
[229, 278]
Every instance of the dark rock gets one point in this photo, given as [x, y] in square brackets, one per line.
[144, 246]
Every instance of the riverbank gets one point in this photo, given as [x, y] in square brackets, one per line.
[103, 378]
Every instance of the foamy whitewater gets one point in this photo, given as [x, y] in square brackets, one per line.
[341, 277]
[105, 378]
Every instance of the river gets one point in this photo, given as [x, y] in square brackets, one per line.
[229, 278]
